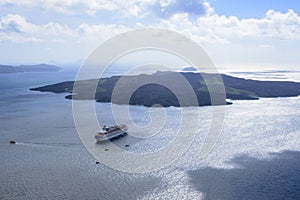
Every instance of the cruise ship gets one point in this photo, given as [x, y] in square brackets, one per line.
[110, 132]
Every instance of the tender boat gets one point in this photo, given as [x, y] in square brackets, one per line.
[110, 132]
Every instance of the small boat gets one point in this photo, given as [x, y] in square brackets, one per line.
[110, 132]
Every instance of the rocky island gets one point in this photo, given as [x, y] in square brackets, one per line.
[5, 69]
[152, 93]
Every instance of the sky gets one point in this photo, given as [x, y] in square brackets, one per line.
[234, 33]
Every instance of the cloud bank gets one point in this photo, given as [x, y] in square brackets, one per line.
[210, 27]
[277, 33]
[161, 8]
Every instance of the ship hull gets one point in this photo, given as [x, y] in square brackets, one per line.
[110, 136]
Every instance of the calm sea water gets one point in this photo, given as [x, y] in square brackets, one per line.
[256, 157]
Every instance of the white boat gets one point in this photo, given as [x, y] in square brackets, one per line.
[110, 132]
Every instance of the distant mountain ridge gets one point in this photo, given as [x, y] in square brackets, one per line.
[151, 94]
[6, 69]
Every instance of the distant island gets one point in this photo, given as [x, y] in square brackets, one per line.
[189, 69]
[151, 94]
[5, 69]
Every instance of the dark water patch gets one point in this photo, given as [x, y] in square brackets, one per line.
[275, 178]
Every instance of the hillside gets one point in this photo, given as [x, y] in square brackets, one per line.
[5, 69]
[152, 93]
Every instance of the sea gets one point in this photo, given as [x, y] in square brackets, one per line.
[256, 156]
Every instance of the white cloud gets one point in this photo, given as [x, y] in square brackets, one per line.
[275, 25]
[161, 8]
[14, 27]
[55, 29]
[17, 29]
[65, 6]
[212, 28]
[15, 23]
[274, 37]
[173, 14]
[98, 33]
[221, 29]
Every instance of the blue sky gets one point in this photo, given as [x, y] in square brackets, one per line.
[252, 8]
[233, 32]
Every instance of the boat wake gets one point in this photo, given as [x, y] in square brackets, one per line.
[41, 144]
